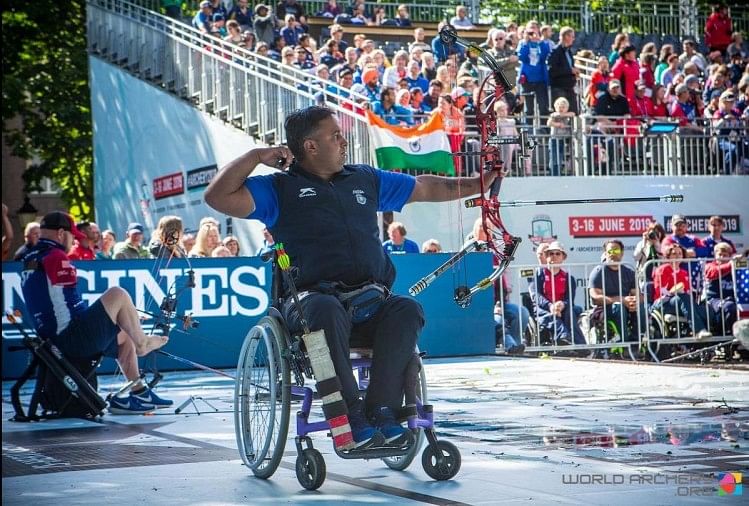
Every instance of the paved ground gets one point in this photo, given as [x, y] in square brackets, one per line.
[545, 431]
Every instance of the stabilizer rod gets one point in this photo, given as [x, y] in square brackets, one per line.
[476, 202]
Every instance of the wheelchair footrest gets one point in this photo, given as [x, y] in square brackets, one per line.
[378, 452]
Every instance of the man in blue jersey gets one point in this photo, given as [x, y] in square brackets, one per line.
[324, 211]
[680, 235]
[109, 326]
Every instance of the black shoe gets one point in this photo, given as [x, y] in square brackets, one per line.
[518, 349]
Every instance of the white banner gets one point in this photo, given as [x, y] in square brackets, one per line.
[582, 228]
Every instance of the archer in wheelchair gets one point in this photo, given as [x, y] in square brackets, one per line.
[69, 331]
[325, 214]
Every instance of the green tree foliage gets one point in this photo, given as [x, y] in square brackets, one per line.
[45, 85]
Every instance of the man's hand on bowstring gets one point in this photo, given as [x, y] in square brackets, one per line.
[279, 157]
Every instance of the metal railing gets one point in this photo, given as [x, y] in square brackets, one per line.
[253, 93]
[659, 17]
[652, 324]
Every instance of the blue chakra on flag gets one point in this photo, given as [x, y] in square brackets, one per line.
[415, 145]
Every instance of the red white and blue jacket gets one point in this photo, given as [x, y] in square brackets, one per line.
[50, 288]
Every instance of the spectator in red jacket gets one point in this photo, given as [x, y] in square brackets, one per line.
[718, 29]
[627, 70]
[672, 288]
[660, 102]
[647, 72]
[599, 81]
[86, 242]
[640, 106]
[718, 290]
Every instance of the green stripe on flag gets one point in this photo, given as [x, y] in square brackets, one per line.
[440, 162]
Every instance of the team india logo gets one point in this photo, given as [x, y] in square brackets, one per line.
[360, 197]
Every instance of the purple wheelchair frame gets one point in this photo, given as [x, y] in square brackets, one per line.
[424, 418]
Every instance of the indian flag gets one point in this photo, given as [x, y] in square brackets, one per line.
[423, 147]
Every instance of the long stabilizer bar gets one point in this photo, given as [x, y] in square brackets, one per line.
[476, 202]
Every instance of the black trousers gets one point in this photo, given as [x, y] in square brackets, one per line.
[536, 92]
[391, 333]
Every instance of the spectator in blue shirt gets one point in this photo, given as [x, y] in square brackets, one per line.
[534, 75]
[414, 76]
[242, 14]
[291, 31]
[716, 225]
[679, 235]
[398, 242]
[392, 113]
[443, 51]
[202, 20]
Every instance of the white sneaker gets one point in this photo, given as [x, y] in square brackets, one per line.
[703, 334]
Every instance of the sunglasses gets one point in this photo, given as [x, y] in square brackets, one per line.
[532, 34]
[554, 253]
[613, 251]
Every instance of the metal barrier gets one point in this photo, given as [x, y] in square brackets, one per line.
[621, 146]
[642, 333]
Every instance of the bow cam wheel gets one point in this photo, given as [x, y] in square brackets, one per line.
[310, 469]
[441, 469]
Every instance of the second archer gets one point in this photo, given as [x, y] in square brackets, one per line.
[325, 213]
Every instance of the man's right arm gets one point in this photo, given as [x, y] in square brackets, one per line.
[227, 192]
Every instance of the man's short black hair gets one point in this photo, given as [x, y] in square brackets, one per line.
[302, 123]
[613, 241]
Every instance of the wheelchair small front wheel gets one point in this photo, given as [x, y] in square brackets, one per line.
[310, 469]
[446, 467]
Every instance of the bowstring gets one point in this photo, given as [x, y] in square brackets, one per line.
[459, 271]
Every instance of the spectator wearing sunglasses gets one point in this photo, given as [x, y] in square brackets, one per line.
[613, 292]
[534, 74]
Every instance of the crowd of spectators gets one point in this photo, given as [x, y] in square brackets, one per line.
[630, 85]
[683, 278]
[169, 240]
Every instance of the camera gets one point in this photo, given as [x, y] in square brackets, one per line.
[652, 235]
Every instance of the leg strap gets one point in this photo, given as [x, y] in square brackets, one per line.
[329, 388]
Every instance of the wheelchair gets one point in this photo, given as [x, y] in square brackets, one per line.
[271, 373]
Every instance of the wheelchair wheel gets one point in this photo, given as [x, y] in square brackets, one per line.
[261, 398]
[400, 463]
[310, 469]
[450, 462]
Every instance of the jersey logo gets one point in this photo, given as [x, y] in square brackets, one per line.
[360, 197]
[307, 192]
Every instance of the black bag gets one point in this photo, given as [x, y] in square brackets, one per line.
[57, 400]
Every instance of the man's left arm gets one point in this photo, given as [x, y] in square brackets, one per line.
[430, 188]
